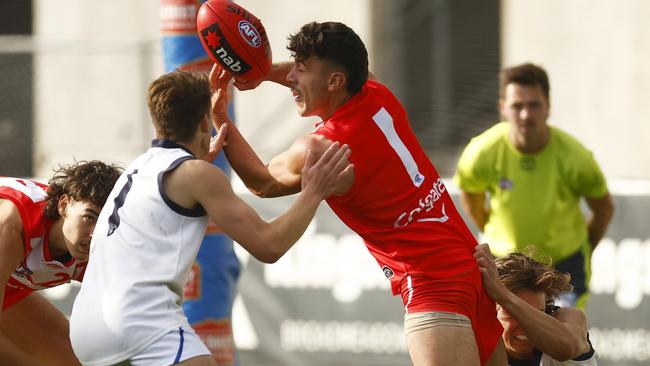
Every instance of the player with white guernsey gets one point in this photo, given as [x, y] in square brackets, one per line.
[129, 308]
[45, 233]
[397, 202]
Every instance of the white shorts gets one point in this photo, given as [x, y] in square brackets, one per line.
[176, 346]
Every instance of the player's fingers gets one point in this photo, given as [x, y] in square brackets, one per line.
[310, 160]
[328, 154]
[349, 170]
[339, 154]
[221, 135]
[341, 160]
[219, 77]
[479, 254]
[240, 82]
[482, 262]
[225, 77]
[214, 74]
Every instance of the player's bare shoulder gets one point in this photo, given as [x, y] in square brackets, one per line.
[192, 180]
[317, 144]
[571, 315]
[11, 238]
[297, 153]
[9, 215]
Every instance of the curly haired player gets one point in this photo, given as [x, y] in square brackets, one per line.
[45, 233]
[536, 332]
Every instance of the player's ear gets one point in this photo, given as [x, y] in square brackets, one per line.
[206, 125]
[62, 205]
[337, 81]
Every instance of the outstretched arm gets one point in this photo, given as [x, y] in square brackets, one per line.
[266, 241]
[277, 74]
[563, 336]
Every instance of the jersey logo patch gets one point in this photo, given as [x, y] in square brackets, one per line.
[505, 184]
[424, 212]
[23, 270]
[527, 163]
[387, 272]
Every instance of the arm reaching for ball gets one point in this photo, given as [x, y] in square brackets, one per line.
[277, 74]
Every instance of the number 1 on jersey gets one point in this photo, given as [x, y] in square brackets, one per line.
[384, 121]
[114, 219]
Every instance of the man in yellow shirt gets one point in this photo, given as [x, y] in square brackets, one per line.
[534, 176]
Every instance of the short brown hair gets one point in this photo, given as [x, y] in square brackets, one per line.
[177, 102]
[84, 181]
[518, 271]
[525, 74]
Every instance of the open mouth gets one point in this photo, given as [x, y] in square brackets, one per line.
[296, 95]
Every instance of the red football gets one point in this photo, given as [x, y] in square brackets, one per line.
[234, 38]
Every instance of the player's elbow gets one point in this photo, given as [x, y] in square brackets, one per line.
[263, 191]
[609, 211]
[270, 250]
[268, 256]
[603, 210]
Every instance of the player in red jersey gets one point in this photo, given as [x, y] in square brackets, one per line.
[396, 200]
[45, 233]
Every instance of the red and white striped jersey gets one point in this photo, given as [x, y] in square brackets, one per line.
[38, 270]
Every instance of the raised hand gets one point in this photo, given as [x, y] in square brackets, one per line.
[216, 143]
[321, 176]
[219, 86]
[491, 282]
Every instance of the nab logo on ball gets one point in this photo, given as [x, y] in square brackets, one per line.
[221, 50]
[249, 34]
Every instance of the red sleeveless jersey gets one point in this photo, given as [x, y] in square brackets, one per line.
[398, 203]
[38, 270]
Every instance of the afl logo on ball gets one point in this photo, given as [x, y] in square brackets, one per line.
[387, 272]
[249, 33]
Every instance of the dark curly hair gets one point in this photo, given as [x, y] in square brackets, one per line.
[335, 42]
[518, 271]
[85, 181]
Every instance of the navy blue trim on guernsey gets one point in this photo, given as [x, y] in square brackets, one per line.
[64, 258]
[588, 355]
[180, 347]
[169, 144]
